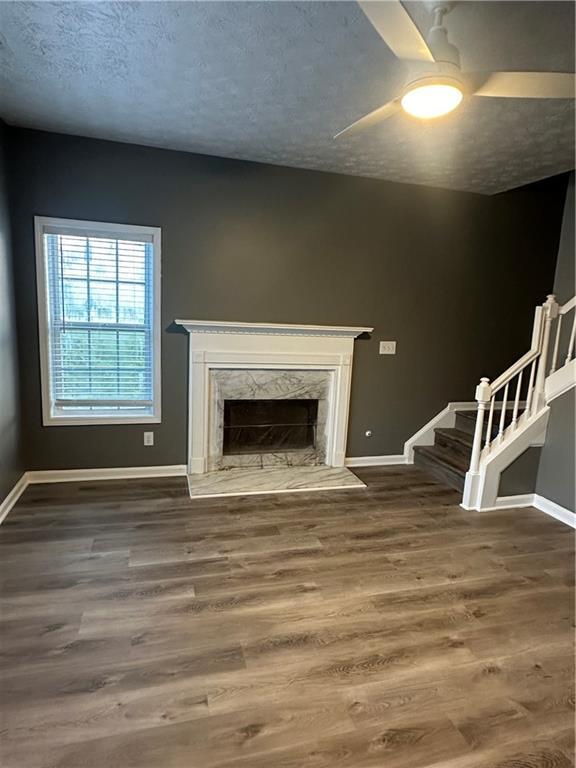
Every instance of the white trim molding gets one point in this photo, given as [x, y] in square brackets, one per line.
[272, 329]
[541, 503]
[376, 461]
[151, 412]
[108, 473]
[559, 382]
[511, 502]
[555, 510]
[13, 496]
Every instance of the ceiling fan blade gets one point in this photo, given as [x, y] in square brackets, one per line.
[382, 113]
[528, 85]
[395, 26]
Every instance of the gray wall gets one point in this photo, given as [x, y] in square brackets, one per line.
[438, 271]
[555, 479]
[520, 476]
[10, 458]
[557, 467]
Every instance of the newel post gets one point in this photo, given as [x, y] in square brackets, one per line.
[550, 308]
[483, 396]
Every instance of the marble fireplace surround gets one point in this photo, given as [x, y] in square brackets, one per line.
[266, 361]
[267, 384]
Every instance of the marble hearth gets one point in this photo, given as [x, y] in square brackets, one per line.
[260, 363]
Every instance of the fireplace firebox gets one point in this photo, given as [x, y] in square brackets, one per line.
[257, 426]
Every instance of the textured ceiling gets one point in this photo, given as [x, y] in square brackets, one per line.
[273, 81]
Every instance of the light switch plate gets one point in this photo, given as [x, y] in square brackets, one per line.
[387, 347]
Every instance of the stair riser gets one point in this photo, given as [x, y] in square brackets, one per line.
[465, 423]
[453, 445]
[468, 423]
[442, 473]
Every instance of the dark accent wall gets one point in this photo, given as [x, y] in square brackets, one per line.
[557, 467]
[453, 277]
[10, 454]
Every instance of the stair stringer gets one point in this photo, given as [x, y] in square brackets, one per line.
[426, 435]
[560, 381]
[481, 488]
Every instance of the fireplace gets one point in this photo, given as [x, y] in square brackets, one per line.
[252, 426]
[265, 395]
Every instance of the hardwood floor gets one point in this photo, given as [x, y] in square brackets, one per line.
[381, 627]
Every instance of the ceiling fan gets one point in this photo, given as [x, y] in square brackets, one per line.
[437, 85]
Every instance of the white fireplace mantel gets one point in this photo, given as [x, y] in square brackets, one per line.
[271, 329]
[221, 345]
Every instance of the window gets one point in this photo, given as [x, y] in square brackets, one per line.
[99, 321]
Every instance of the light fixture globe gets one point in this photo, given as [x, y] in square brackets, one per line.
[432, 97]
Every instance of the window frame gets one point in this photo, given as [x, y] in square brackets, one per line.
[107, 229]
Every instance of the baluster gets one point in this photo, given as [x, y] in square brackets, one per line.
[517, 401]
[530, 391]
[490, 418]
[483, 395]
[503, 413]
[556, 343]
[570, 354]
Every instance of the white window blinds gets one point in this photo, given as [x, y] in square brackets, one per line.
[99, 321]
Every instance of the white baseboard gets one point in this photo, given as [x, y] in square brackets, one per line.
[109, 473]
[538, 502]
[75, 475]
[555, 510]
[424, 436]
[375, 461]
[13, 496]
[507, 502]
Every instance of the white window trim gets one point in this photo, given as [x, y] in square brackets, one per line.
[49, 420]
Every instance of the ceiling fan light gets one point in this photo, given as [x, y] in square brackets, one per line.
[431, 100]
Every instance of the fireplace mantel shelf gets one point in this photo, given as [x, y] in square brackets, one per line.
[271, 329]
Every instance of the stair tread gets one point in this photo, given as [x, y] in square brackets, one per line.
[436, 453]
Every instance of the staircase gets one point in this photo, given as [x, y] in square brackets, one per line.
[469, 449]
[513, 409]
[449, 458]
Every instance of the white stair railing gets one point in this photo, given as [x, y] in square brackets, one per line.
[515, 403]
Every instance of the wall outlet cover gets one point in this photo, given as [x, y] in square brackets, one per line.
[387, 347]
[148, 438]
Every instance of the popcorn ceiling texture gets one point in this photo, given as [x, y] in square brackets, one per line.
[273, 81]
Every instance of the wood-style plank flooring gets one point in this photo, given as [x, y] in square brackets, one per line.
[347, 629]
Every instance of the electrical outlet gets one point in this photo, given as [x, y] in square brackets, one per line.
[387, 347]
[148, 438]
